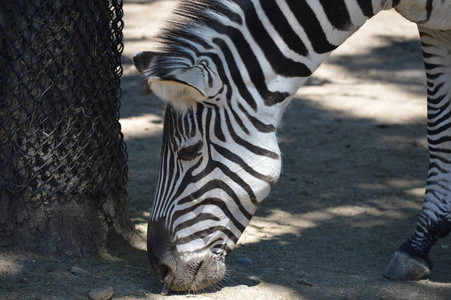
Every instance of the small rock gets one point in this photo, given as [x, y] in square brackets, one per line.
[79, 271]
[244, 262]
[444, 246]
[103, 293]
[242, 287]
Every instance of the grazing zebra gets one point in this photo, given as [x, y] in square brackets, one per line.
[228, 69]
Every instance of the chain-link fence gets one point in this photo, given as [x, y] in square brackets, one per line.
[60, 74]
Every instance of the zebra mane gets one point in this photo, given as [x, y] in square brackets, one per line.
[189, 19]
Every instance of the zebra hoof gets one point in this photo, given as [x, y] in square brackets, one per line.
[404, 267]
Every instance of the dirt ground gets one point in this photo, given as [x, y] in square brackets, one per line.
[355, 163]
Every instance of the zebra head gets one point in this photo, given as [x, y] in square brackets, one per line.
[219, 159]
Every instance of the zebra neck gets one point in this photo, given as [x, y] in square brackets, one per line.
[262, 50]
[290, 39]
[309, 32]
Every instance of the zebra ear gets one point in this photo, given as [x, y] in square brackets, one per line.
[183, 86]
[143, 60]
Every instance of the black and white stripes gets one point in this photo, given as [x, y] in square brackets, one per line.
[206, 189]
[435, 219]
[228, 69]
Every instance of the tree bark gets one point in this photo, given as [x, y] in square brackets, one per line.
[62, 158]
[72, 225]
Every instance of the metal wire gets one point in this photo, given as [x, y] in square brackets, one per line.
[60, 69]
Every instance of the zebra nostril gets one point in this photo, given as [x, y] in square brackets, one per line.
[163, 271]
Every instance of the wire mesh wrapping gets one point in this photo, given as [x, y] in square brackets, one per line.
[60, 75]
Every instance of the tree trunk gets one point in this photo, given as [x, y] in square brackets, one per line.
[62, 157]
[71, 225]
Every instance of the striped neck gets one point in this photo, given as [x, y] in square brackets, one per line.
[263, 51]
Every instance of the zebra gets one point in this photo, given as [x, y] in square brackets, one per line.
[227, 70]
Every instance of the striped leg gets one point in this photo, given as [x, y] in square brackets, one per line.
[411, 261]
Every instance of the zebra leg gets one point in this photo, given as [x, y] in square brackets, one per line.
[411, 260]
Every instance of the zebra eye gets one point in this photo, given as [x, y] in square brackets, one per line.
[189, 152]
